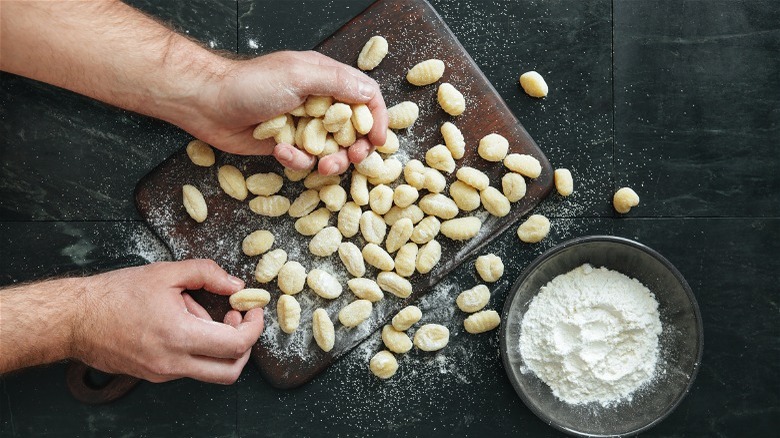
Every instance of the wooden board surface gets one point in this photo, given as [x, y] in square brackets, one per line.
[415, 32]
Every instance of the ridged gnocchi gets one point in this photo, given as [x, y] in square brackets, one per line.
[439, 157]
[465, 197]
[288, 312]
[402, 115]
[313, 222]
[428, 256]
[232, 182]
[373, 52]
[377, 257]
[534, 229]
[451, 100]
[194, 203]
[352, 258]
[323, 284]
[406, 260]
[406, 317]
[265, 184]
[314, 136]
[269, 265]
[513, 185]
[304, 204]
[395, 284]
[482, 322]
[473, 177]
[349, 219]
[454, 140]
[355, 313]
[295, 175]
[358, 189]
[414, 174]
[365, 289]
[325, 242]
[271, 206]
[438, 205]
[333, 196]
[495, 202]
[412, 212]
[434, 180]
[322, 330]
[291, 278]
[463, 228]
[426, 230]
[399, 234]
[316, 180]
[248, 299]
[372, 227]
[200, 153]
[474, 299]
[431, 337]
[425, 72]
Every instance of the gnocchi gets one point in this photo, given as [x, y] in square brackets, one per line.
[336, 116]
[316, 180]
[299, 111]
[323, 284]
[406, 260]
[271, 206]
[495, 202]
[391, 144]
[291, 278]
[358, 188]
[331, 146]
[563, 182]
[352, 258]
[438, 205]
[299, 129]
[269, 265]
[194, 203]
[373, 52]
[440, 158]
[431, 337]
[200, 153]
[313, 222]
[523, 164]
[288, 312]
[426, 230]
[355, 313]
[383, 365]
[287, 133]
[248, 299]
[296, 175]
[451, 100]
[463, 228]
[372, 227]
[434, 180]
[513, 185]
[270, 127]
[407, 317]
[465, 197]
[265, 184]
[474, 299]
[473, 177]
[405, 195]
[314, 136]
[414, 174]
[371, 166]
[304, 204]
[232, 182]
[493, 147]
[489, 267]
[375, 256]
[425, 72]
[325, 242]
[454, 140]
[349, 219]
[380, 199]
[362, 119]
[257, 242]
[345, 136]
[322, 330]
[534, 229]
[365, 289]
[394, 283]
[403, 115]
[399, 234]
[391, 170]
[533, 84]
[333, 196]
[482, 322]
[428, 256]
[412, 212]
[624, 199]
[317, 106]
[395, 340]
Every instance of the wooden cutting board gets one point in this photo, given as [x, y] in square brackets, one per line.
[415, 32]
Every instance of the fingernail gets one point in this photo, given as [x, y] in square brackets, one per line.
[285, 155]
[365, 89]
[235, 281]
[330, 169]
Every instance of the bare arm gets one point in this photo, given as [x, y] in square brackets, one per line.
[111, 52]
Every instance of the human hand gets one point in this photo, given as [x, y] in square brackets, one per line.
[256, 90]
[138, 321]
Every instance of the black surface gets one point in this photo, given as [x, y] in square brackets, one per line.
[696, 133]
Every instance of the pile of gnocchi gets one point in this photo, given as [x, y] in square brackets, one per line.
[399, 220]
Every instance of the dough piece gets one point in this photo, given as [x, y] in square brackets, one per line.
[322, 330]
[380, 199]
[316, 180]
[305, 203]
[403, 115]
[454, 140]
[391, 144]
[473, 177]
[323, 284]
[326, 242]
[394, 283]
[333, 196]
[336, 116]
[391, 170]
[371, 166]
[495, 202]
[248, 299]
[373, 52]
[399, 234]
[426, 230]
[563, 182]
[428, 256]
[313, 222]
[372, 227]
[482, 322]
[349, 219]
[269, 265]
[271, 206]
[194, 203]
[407, 317]
[474, 299]
[375, 256]
[317, 106]
[265, 184]
[431, 337]
[299, 111]
[489, 267]
[451, 100]
[412, 212]
[534, 229]
[314, 136]
[352, 258]
[414, 174]
[406, 260]
[383, 365]
[425, 72]
[358, 189]
[355, 313]
[523, 164]
[362, 119]
[465, 197]
[287, 134]
[365, 289]
[438, 205]
[493, 147]
[299, 130]
[331, 146]
[232, 182]
[514, 186]
[270, 127]
[533, 84]
[291, 278]
[434, 180]
[405, 195]
[624, 199]
[462, 228]
[257, 242]
[439, 157]
[200, 153]
[395, 340]
[345, 136]
[296, 175]
[288, 311]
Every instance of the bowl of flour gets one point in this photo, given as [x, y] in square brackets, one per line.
[601, 336]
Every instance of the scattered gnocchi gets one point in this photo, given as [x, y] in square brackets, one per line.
[425, 72]
[490, 267]
[533, 84]
[431, 337]
[248, 299]
[624, 199]
[373, 53]
[534, 229]
[383, 364]
[482, 322]
[194, 203]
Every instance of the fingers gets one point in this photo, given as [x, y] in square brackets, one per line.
[194, 308]
[291, 157]
[202, 274]
[378, 133]
[323, 76]
[360, 150]
[213, 370]
[233, 318]
[226, 341]
[334, 163]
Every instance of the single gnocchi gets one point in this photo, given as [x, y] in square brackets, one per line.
[270, 127]
[346, 136]
[200, 153]
[406, 260]
[405, 195]
[380, 199]
[624, 199]
[489, 267]
[313, 222]
[434, 180]
[438, 205]
[493, 147]
[426, 230]
[414, 174]
[431, 337]
[373, 227]
[463, 228]
[402, 115]
[428, 256]
[232, 182]
[482, 322]
[322, 330]
[495, 202]
[377, 257]
[399, 234]
[291, 278]
[362, 119]
[533, 84]
[365, 289]
[412, 212]
[395, 284]
[564, 183]
[325, 242]
[425, 72]
[194, 203]
[391, 170]
[358, 188]
[257, 242]
[439, 157]
[534, 229]
[474, 299]
[451, 100]
[323, 284]
[454, 140]
[523, 164]
[513, 185]
[395, 340]
[248, 299]
[316, 180]
[336, 116]
[373, 52]
[271, 206]
[333, 196]
[391, 144]
[288, 311]
[383, 365]
[317, 106]
[465, 197]
[407, 317]
[473, 177]
[295, 175]
[355, 313]
[352, 258]
[349, 219]
[265, 184]
[287, 134]
[304, 204]
[371, 166]
[300, 127]
[314, 136]
[269, 265]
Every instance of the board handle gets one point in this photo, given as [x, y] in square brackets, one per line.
[83, 389]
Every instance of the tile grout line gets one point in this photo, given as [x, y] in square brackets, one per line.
[612, 71]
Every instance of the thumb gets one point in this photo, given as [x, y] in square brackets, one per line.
[203, 274]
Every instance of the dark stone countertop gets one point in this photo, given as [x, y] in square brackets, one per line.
[677, 99]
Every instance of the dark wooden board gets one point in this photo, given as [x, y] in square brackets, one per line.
[415, 32]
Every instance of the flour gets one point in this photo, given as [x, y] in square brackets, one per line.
[592, 336]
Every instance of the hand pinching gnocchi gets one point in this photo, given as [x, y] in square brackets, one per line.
[248, 299]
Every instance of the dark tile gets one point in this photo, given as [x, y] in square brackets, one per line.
[697, 106]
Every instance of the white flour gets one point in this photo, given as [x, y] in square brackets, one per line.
[592, 335]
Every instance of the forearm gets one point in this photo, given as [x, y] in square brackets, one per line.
[37, 320]
[108, 51]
